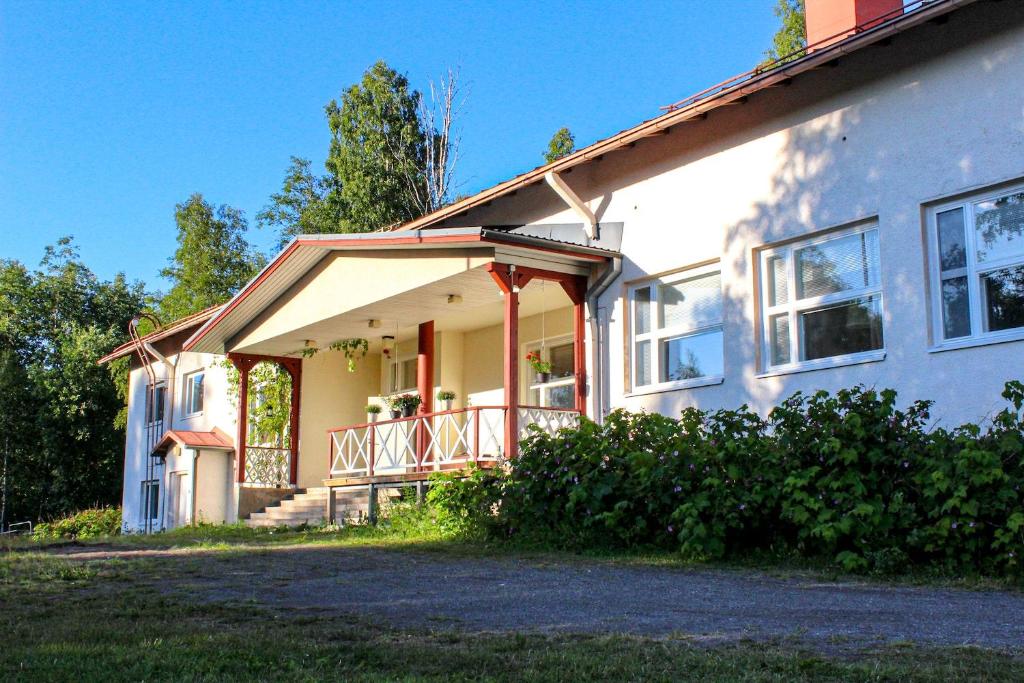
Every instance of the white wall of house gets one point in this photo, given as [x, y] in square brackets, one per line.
[877, 140]
[218, 411]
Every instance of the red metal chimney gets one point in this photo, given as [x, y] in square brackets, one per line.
[832, 20]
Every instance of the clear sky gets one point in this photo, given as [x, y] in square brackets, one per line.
[112, 112]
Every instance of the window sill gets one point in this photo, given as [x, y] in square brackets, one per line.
[825, 364]
[677, 386]
[970, 342]
[192, 416]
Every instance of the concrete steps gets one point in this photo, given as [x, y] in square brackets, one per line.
[309, 506]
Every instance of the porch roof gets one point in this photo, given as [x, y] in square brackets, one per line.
[215, 440]
[295, 265]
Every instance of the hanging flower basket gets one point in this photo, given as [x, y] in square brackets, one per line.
[541, 367]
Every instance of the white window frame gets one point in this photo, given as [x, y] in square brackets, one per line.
[528, 375]
[655, 335]
[186, 398]
[151, 417]
[391, 376]
[793, 307]
[973, 271]
[143, 508]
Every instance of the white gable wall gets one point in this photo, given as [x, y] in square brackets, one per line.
[939, 112]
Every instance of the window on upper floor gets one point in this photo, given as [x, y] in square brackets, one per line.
[156, 404]
[676, 330]
[976, 248]
[193, 396]
[821, 301]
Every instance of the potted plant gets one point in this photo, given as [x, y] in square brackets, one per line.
[446, 397]
[541, 368]
[407, 404]
[394, 406]
[372, 411]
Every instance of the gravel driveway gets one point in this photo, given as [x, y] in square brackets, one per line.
[474, 594]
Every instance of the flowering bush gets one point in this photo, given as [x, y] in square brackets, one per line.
[849, 477]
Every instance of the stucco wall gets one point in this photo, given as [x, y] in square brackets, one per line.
[939, 112]
[331, 397]
[218, 411]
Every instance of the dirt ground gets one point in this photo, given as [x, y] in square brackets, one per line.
[436, 590]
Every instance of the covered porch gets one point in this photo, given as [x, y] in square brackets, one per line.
[459, 320]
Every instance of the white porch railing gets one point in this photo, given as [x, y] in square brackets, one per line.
[267, 466]
[433, 441]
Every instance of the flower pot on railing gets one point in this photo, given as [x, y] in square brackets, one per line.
[543, 377]
[448, 405]
[407, 411]
[371, 417]
[395, 414]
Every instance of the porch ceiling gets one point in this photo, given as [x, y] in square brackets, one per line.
[294, 298]
[480, 304]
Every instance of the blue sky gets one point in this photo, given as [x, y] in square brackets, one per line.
[110, 113]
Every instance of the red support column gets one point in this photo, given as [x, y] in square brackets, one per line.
[576, 288]
[424, 384]
[294, 368]
[509, 283]
[579, 336]
[243, 365]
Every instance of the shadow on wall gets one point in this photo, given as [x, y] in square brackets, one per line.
[873, 143]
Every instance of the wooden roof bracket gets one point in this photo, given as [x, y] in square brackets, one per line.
[573, 200]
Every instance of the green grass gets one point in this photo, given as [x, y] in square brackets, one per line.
[120, 619]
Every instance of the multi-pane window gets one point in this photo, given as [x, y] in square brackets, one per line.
[822, 300]
[194, 393]
[559, 391]
[676, 327]
[977, 248]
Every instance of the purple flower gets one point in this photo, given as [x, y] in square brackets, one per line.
[743, 506]
[1012, 554]
[971, 525]
[678, 489]
[953, 525]
[670, 529]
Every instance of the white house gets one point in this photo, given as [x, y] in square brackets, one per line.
[853, 216]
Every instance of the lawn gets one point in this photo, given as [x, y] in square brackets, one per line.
[136, 618]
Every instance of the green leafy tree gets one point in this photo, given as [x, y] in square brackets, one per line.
[377, 151]
[55, 322]
[213, 259]
[392, 158]
[790, 39]
[562, 144]
[307, 204]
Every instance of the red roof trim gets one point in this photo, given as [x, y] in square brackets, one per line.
[172, 328]
[215, 439]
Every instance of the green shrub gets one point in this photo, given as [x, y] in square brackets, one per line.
[850, 461]
[82, 525]
[848, 477]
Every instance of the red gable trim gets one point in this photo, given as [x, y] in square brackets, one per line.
[342, 242]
